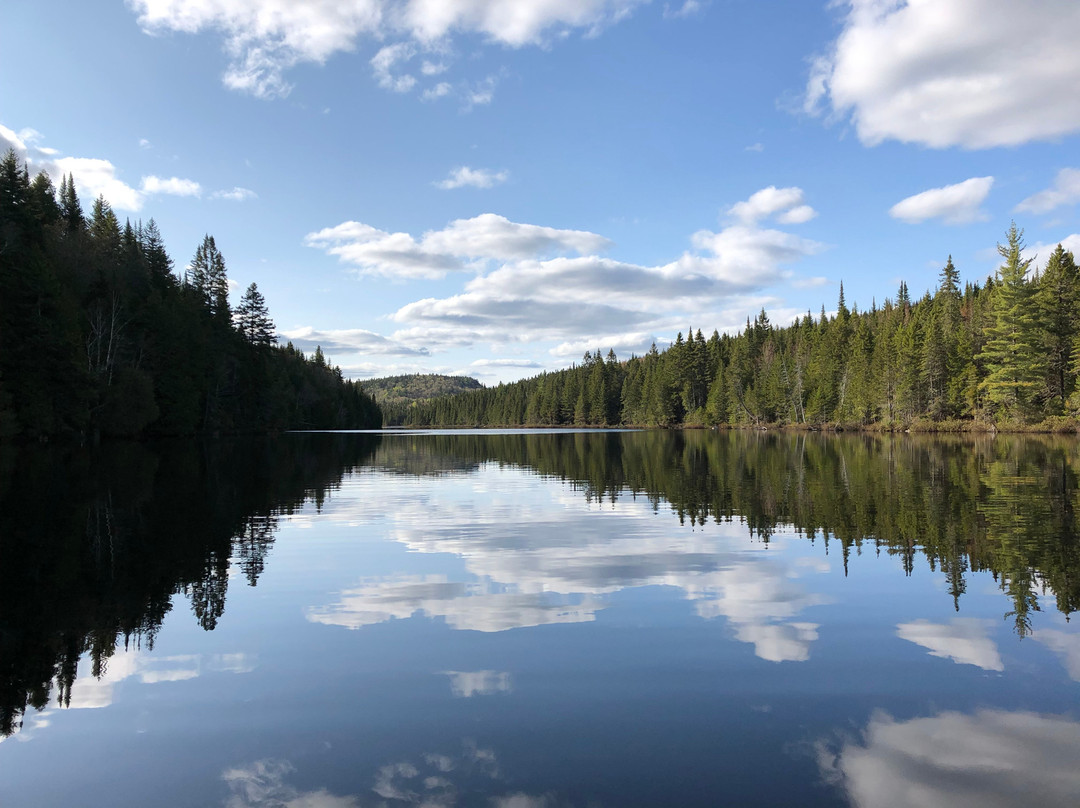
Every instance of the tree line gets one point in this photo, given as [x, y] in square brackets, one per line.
[1006, 352]
[99, 336]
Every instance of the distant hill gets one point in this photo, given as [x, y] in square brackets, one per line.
[396, 393]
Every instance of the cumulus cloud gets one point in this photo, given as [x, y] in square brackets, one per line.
[93, 176]
[534, 283]
[964, 641]
[1039, 253]
[954, 204]
[785, 203]
[933, 72]
[464, 176]
[348, 340]
[487, 237]
[1064, 191]
[236, 194]
[264, 39]
[990, 759]
[174, 186]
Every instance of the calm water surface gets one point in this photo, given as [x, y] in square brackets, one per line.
[531, 620]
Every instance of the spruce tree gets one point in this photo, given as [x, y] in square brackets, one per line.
[253, 318]
[1057, 298]
[1011, 353]
[206, 276]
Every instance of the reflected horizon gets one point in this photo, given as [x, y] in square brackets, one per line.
[662, 583]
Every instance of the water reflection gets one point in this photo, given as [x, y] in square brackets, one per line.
[991, 759]
[468, 776]
[97, 543]
[128, 532]
[542, 557]
[963, 640]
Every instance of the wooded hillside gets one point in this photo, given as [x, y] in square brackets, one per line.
[98, 336]
[1006, 352]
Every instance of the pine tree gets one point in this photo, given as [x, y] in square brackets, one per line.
[253, 318]
[1011, 353]
[1057, 298]
[206, 276]
[70, 209]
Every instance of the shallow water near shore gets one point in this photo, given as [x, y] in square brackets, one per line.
[558, 618]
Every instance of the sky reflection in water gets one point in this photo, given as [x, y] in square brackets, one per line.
[449, 624]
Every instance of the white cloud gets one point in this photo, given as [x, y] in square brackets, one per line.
[755, 147]
[534, 283]
[1065, 191]
[486, 237]
[964, 641]
[787, 202]
[472, 177]
[505, 363]
[480, 94]
[970, 73]
[955, 204]
[236, 194]
[264, 39]
[144, 143]
[443, 88]
[688, 9]
[384, 62]
[93, 176]
[991, 759]
[174, 186]
[1039, 253]
[351, 341]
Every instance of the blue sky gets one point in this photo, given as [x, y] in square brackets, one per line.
[492, 187]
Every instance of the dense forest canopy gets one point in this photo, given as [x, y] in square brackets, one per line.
[98, 336]
[1004, 353]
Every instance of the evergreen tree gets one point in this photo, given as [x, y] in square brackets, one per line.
[206, 276]
[253, 318]
[1011, 353]
[1057, 298]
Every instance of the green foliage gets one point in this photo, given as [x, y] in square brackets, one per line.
[1014, 364]
[97, 337]
[1009, 350]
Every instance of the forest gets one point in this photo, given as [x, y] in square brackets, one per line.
[395, 394]
[1004, 354]
[99, 336]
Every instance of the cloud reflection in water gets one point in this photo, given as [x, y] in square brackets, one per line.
[549, 556]
[992, 759]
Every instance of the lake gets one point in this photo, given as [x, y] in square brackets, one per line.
[539, 619]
